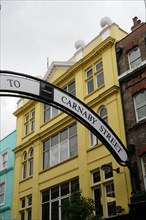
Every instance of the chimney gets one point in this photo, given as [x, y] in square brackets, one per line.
[136, 23]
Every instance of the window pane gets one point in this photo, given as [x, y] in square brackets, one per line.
[31, 167]
[108, 173]
[98, 65]
[74, 185]
[26, 129]
[31, 153]
[24, 170]
[26, 118]
[89, 72]
[45, 196]
[46, 145]
[135, 62]
[103, 112]
[55, 192]
[141, 112]
[63, 135]
[135, 57]
[111, 206]
[45, 211]
[33, 113]
[98, 205]
[73, 146]
[46, 159]
[54, 112]
[96, 177]
[55, 211]
[100, 79]
[110, 190]
[29, 214]
[47, 113]
[24, 156]
[23, 203]
[32, 125]
[90, 86]
[65, 189]
[2, 188]
[72, 130]
[54, 140]
[71, 87]
[64, 150]
[22, 216]
[140, 105]
[29, 200]
[54, 155]
[93, 139]
[140, 98]
[63, 201]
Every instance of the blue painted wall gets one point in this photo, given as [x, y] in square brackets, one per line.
[8, 143]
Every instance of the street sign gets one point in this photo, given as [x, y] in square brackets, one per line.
[45, 92]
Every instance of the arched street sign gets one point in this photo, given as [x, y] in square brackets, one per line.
[22, 85]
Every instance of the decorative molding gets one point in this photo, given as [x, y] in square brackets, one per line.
[109, 42]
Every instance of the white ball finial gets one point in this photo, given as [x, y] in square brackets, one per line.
[79, 44]
[105, 21]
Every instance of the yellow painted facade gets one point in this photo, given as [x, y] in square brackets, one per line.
[86, 164]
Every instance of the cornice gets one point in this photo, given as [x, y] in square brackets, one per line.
[24, 107]
[112, 90]
[109, 42]
[36, 138]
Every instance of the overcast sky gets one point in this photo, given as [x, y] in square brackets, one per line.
[31, 31]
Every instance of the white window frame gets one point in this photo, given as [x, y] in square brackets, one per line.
[2, 166]
[136, 108]
[89, 79]
[67, 88]
[138, 57]
[50, 151]
[3, 193]
[99, 71]
[93, 139]
[59, 198]
[97, 80]
[51, 114]
[31, 161]
[102, 184]
[26, 207]
[29, 122]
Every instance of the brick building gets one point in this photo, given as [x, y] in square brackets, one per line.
[131, 59]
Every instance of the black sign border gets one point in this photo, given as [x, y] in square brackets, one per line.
[49, 100]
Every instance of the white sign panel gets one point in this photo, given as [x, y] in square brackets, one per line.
[76, 107]
[14, 83]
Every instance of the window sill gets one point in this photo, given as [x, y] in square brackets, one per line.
[27, 178]
[58, 164]
[6, 170]
[4, 208]
[138, 124]
[25, 136]
[94, 91]
[94, 147]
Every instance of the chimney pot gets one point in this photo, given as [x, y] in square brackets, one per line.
[135, 21]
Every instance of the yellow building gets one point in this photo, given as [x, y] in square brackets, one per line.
[55, 152]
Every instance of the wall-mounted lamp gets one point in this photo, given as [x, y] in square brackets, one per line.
[105, 166]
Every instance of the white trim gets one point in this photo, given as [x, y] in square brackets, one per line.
[55, 64]
[1, 162]
[130, 71]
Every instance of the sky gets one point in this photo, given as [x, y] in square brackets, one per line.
[33, 31]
